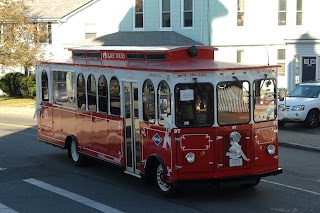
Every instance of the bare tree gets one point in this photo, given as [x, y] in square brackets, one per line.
[20, 36]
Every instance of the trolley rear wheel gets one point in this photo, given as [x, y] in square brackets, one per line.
[77, 158]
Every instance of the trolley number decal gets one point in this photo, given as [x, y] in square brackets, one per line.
[235, 162]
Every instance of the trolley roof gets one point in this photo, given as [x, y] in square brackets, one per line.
[170, 59]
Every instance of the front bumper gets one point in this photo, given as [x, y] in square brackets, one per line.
[293, 116]
[234, 179]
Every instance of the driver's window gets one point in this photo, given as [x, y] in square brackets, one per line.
[265, 103]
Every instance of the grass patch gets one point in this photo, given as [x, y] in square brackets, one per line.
[6, 101]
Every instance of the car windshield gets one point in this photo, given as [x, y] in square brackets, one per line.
[305, 91]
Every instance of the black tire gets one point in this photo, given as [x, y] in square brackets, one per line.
[281, 123]
[76, 157]
[312, 120]
[251, 183]
[166, 189]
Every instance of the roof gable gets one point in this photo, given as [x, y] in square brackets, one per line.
[55, 9]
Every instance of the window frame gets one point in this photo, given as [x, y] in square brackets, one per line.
[111, 97]
[264, 99]
[161, 12]
[299, 13]
[90, 93]
[135, 13]
[146, 101]
[44, 86]
[225, 95]
[83, 105]
[64, 89]
[281, 61]
[280, 11]
[240, 56]
[104, 95]
[168, 100]
[197, 107]
[240, 11]
[183, 15]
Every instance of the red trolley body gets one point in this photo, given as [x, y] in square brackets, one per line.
[171, 114]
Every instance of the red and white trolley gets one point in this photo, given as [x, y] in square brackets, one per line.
[170, 114]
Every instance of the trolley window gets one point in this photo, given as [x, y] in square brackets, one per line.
[148, 102]
[91, 90]
[45, 86]
[264, 100]
[164, 101]
[63, 88]
[81, 92]
[103, 94]
[194, 104]
[233, 102]
[115, 97]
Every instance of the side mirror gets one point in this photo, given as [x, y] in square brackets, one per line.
[282, 95]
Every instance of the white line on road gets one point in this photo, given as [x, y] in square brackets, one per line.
[73, 196]
[292, 187]
[6, 209]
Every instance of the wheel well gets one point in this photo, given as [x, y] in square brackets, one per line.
[152, 162]
[314, 109]
[69, 139]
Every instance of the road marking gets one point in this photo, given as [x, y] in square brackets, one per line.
[15, 125]
[73, 196]
[292, 187]
[2, 169]
[6, 209]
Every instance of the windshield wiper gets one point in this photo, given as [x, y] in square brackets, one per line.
[247, 91]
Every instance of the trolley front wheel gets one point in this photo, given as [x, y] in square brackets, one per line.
[164, 188]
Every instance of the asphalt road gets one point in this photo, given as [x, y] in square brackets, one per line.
[36, 177]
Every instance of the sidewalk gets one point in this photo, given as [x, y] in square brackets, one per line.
[299, 140]
[288, 139]
[18, 111]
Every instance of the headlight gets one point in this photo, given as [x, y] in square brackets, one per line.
[298, 108]
[235, 137]
[271, 149]
[190, 157]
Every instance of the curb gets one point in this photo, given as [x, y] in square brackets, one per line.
[299, 146]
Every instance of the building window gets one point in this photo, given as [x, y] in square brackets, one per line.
[114, 96]
[138, 13]
[90, 30]
[299, 13]
[165, 14]
[240, 13]
[281, 61]
[91, 91]
[282, 12]
[103, 94]
[44, 30]
[297, 71]
[240, 56]
[187, 13]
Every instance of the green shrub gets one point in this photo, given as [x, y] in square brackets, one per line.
[11, 84]
[28, 86]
